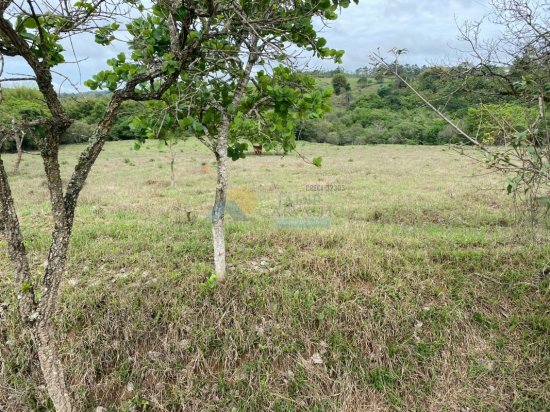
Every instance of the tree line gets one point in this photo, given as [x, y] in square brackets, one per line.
[372, 106]
[86, 110]
[368, 107]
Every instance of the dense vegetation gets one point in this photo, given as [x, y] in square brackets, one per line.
[369, 107]
[378, 108]
[23, 103]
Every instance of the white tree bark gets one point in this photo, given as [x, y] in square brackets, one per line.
[19, 146]
[172, 163]
[218, 211]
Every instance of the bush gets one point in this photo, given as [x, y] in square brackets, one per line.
[314, 130]
[493, 121]
[363, 82]
[340, 84]
[79, 132]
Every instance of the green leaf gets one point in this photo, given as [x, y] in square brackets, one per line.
[318, 161]
[237, 151]
[30, 23]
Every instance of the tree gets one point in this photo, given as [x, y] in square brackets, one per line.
[224, 105]
[340, 84]
[379, 75]
[162, 128]
[516, 62]
[363, 81]
[173, 37]
[19, 109]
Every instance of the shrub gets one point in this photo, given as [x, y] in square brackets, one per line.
[79, 132]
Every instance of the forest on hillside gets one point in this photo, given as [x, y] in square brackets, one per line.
[373, 107]
[369, 106]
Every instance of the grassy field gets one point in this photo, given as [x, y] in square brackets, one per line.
[416, 293]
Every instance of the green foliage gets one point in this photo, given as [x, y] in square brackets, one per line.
[104, 35]
[287, 98]
[495, 122]
[79, 132]
[387, 116]
[20, 104]
[378, 114]
[273, 104]
[386, 112]
[150, 42]
[210, 283]
[340, 84]
[42, 35]
[363, 81]
[237, 151]
[86, 111]
[268, 114]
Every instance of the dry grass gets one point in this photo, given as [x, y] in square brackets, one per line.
[422, 295]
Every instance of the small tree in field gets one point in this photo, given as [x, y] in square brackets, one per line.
[11, 124]
[162, 128]
[340, 84]
[244, 88]
[164, 43]
[269, 109]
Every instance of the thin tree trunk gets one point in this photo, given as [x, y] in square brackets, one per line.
[38, 316]
[19, 146]
[172, 161]
[63, 213]
[220, 150]
[218, 211]
[16, 248]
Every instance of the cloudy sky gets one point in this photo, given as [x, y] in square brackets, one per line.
[427, 28]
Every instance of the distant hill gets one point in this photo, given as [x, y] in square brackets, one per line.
[379, 109]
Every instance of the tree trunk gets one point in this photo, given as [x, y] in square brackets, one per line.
[51, 367]
[19, 146]
[16, 247]
[44, 330]
[46, 342]
[218, 211]
[39, 317]
[172, 161]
